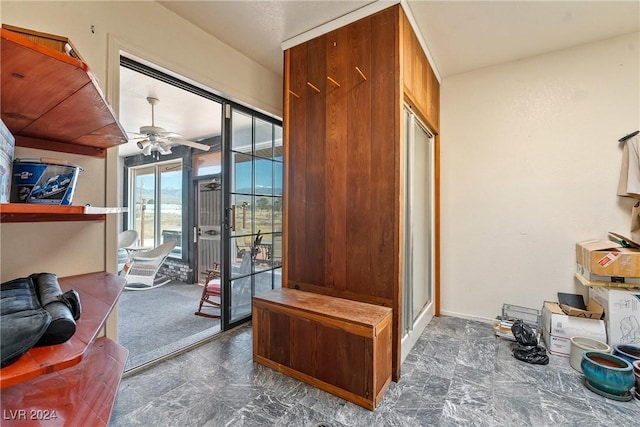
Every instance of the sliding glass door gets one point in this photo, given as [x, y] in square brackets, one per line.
[418, 271]
[254, 211]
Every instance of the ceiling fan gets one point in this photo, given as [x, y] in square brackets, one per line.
[156, 137]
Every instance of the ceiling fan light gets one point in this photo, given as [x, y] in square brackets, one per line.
[142, 144]
[164, 148]
[146, 150]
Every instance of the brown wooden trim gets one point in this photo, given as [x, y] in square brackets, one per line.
[26, 43]
[410, 100]
[437, 223]
[323, 290]
[65, 147]
[30, 212]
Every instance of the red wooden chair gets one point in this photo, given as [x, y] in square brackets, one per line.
[211, 292]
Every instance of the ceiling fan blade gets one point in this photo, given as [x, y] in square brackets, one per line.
[135, 135]
[193, 144]
[170, 135]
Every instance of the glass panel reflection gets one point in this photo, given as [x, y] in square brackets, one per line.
[241, 133]
[263, 138]
[264, 177]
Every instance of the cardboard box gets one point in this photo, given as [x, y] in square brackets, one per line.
[606, 258]
[558, 328]
[621, 312]
[593, 311]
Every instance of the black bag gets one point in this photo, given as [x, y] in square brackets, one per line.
[35, 312]
[528, 351]
[64, 308]
[23, 321]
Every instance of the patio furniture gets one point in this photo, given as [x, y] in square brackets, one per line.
[211, 292]
[141, 270]
[125, 239]
[241, 288]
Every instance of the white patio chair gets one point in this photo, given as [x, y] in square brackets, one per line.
[141, 270]
[125, 239]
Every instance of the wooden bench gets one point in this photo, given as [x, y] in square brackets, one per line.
[338, 345]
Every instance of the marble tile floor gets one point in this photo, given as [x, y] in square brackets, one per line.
[458, 374]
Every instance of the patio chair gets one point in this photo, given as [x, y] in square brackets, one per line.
[141, 270]
[125, 239]
[211, 292]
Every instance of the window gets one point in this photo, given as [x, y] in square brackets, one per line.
[156, 204]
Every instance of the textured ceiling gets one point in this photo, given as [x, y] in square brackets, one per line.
[461, 35]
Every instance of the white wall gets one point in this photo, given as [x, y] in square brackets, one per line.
[73, 248]
[530, 164]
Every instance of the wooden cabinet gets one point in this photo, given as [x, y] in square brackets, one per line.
[343, 127]
[338, 345]
[51, 101]
[342, 140]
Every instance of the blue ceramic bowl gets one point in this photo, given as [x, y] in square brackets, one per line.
[608, 373]
[630, 353]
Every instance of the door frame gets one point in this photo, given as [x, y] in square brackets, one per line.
[419, 323]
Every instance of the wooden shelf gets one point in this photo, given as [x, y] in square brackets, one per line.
[587, 282]
[51, 101]
[30, 212]
[89, 391]
[99, 293]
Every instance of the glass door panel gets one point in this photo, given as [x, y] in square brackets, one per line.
[418, 182]
[421, 220]
[208, 241]
[144, 191]
[169, 213]
[255, 210]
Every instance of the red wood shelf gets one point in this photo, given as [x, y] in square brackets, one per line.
[99, 293]
[29, 212]
[79, 396]
[51, 100]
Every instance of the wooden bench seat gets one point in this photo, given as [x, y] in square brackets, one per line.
[338, 345]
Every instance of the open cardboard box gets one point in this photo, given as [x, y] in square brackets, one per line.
[593, 311]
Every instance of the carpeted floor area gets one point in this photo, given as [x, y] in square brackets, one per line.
[157, 322]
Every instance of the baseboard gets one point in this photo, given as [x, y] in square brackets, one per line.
[467, 316]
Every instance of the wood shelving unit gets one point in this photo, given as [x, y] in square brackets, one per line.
[51, 101]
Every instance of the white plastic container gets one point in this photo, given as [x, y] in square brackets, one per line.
[579, 345]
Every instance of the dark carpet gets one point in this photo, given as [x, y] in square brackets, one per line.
[156, 322]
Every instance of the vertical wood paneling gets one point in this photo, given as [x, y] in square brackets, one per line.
[261, 332]
[315, 164]
[382, 353]
[296, 162]
[420, 83]
[279, 338]
[337, 52]
[384, 170]
[326, 354]
[303, 346]
[359, 232]
[351, 351]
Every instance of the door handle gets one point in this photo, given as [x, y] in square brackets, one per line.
[230, 218]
